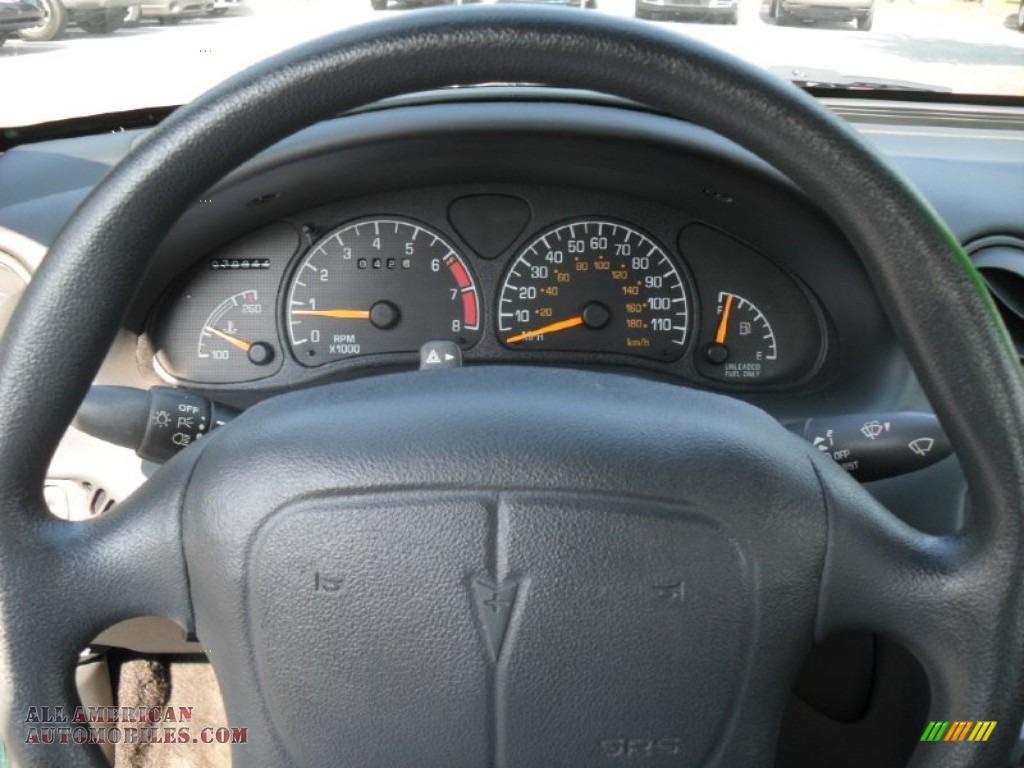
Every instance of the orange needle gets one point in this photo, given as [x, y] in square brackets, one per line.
[723, 326]
[561, 325]
[337, 314]
[243, 345]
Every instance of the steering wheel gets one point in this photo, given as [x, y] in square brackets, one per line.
[407, 571]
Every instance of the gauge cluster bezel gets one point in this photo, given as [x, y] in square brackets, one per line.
[549, 206]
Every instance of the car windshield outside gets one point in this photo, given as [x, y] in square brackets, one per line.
[72, 58]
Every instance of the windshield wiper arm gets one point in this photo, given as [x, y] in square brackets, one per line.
[828, 78]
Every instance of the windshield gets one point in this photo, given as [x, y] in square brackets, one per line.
[72, 58]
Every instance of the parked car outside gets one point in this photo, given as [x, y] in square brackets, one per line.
[725, 11]
[170, 11]
[16, 15]
[380, 5]
[98, 17]
[221, 7]
[788, 11]
[570, 3]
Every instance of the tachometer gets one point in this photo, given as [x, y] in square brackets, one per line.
[598, 286]
[380, 285]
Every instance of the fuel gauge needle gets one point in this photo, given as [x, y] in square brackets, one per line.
[561, 325]
[337, 314]
[723, 326]
[245, 346]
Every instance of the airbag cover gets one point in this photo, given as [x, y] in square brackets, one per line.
[433, 571]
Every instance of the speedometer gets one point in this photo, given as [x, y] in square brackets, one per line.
[598, 286]
[380, 285]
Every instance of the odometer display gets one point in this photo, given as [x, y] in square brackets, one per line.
[380, 285]
[596, 286]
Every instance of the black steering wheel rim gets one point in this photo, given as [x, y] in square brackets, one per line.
[934, 300]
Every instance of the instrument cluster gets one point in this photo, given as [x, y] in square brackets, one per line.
[536, 275]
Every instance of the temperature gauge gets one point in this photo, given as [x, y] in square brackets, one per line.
[219, 324]
[215, 340]
[228, 335]
[744, 347]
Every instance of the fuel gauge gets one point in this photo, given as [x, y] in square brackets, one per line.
[744, 348]
[758, 323]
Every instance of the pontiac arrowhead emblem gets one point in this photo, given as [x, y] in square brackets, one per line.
[493, 609]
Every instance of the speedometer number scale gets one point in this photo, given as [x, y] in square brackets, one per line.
[596, 286]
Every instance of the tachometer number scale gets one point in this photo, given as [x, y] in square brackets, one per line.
[380, 285]
[596, 286]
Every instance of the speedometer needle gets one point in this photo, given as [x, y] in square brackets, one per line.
[245, 346]
[337, 314]
[561, 325]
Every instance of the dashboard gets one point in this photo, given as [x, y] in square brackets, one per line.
[556, 229]
[507, 273]
[519, 225]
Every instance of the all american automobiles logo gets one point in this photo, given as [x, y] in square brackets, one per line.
[128, 725]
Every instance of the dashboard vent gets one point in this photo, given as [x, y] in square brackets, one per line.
[1000, 260]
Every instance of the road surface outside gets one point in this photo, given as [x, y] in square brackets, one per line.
[971, 47]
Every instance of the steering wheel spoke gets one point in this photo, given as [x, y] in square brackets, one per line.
[82, 578]
[878, 569]
[931, 594]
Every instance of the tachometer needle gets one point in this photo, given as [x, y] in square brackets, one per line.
[723, 326]
[561, 325]
[243, 345]
[337, 314]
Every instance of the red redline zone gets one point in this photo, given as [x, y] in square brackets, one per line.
[470, 308]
